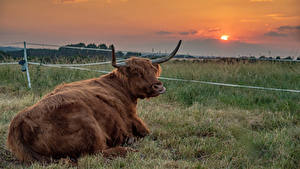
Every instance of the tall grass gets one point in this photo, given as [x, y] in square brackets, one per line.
[193, 125]
[272, 75]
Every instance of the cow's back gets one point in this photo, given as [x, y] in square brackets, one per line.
[64, 122]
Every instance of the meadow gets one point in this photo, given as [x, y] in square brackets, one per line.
[192, 125]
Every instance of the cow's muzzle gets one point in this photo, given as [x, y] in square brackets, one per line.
[158, 88]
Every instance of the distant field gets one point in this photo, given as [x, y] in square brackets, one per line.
[192, 125]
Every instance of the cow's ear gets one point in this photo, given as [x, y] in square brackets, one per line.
[158, 69]
[156, 66]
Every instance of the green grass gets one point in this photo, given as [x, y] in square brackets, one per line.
[192, 125]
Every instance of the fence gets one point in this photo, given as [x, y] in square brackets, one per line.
[78, 67]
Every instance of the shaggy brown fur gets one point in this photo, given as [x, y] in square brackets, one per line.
[85, 117]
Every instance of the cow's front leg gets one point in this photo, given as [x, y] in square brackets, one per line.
[139, 128]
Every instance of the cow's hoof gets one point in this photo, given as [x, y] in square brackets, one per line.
[144, 133]
[130, 140]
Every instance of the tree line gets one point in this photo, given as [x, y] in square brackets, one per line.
[66, 54]
[70, 55]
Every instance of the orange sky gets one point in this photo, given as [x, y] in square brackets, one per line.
[141, 24]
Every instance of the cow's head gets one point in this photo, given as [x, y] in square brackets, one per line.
[141, 74]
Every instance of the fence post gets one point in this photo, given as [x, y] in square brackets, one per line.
[26, 65]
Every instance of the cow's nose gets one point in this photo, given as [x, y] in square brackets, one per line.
[157, 86]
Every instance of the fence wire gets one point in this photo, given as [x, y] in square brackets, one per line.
[77, 67]
[180, 80]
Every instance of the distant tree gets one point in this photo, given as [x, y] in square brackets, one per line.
[2, 55]
[91, 45]
[270, 58]
[102, 46]
[278, 57]
[288, 58]
[82, 45]
[119, 54]
[298, 58]
[189, 56]
[262, 57]
[128, 54]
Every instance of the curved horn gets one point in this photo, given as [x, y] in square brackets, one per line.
[164, 59]
[113, 58]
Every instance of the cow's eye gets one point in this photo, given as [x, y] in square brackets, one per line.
[141, 75]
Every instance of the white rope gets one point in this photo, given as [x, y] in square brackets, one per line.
[9, 63]
[231, 85]
[109, 50]
[82, 48]
[11, 43]
[278, 60]
[184, 80]
[161, 54]
[70, 67]
[163, 78]
[70, 47]
[64, 65]
[76, 65]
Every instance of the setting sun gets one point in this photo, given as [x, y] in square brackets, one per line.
[224, 37]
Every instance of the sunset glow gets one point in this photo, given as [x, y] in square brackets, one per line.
[224, 37]
[130, 24]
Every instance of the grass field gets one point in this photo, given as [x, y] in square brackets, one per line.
[192, 125]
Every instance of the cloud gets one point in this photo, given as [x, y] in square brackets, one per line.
[285, 31]
[214, 30]
[185, 33]
[215, 47]
[191, 32]
[164, 33]
[275, 34]
[68, 1]
[288, 28]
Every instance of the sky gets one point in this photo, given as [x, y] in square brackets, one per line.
[254, 27]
